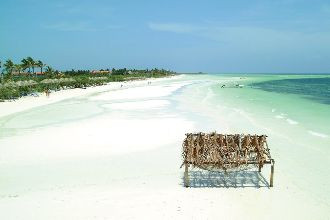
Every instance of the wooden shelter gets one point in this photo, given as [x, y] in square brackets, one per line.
[225, 152]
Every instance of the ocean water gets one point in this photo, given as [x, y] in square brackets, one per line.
[293, 110]
[316, 89]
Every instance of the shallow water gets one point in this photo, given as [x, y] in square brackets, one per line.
[297, 127]
[316, 89]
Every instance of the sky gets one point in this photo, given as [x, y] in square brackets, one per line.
[215, 36]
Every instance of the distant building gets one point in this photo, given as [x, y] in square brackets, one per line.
[101, 71]
[16, 73]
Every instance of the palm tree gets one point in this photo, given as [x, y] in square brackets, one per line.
[9, 66]
[1, 73]
[18, 68]
[32, 63]
[26, 64]
[40, 64]
[49, 69]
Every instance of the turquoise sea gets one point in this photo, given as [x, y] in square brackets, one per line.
[292, 110]
[315, 89]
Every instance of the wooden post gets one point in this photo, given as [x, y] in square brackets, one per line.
[259, 168]
[272, 174]
[186, 176]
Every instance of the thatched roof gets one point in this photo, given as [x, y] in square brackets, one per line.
[18, 83]
[225, 152]
[61, 80]
[102, 78]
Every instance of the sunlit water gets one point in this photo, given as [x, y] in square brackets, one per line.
[292, 110]
[316, 89]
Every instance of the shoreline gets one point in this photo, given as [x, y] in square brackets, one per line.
[27, 102]
[120, 150]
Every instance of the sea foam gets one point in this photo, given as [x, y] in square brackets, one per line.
[291, 122]
[318, 134]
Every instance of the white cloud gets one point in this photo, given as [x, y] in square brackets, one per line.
[174, 27]
[250, 37]
[78, 26]
[83, 8]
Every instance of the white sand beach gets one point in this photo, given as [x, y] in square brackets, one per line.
[28, 102]
[115, 153]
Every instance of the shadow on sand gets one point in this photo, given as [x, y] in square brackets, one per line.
[238, 179]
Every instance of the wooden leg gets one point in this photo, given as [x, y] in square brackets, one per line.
[186, 176]
[259, 168]
[272, 175]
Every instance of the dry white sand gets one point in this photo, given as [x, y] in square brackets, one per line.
[28, 102]
[122, 163]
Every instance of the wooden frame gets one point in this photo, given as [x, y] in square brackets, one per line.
[225, 152]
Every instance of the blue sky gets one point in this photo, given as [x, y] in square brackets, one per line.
[183, 35]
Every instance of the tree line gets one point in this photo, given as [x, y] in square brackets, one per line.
[27, 64]
[14, 85]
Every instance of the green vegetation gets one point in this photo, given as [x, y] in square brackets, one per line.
[19, 80]
[27, 64]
